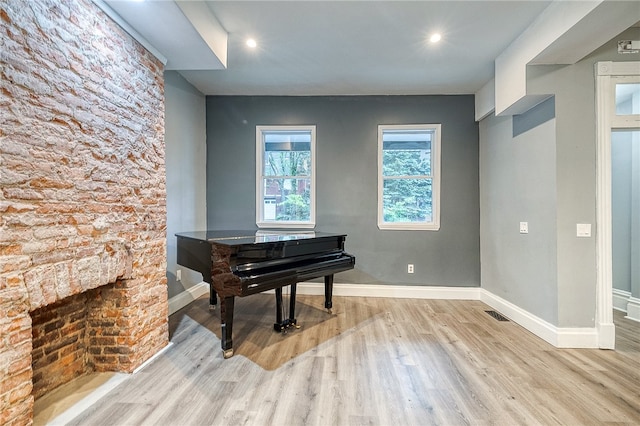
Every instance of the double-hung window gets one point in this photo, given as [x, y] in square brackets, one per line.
[409, 177]
[285, 176]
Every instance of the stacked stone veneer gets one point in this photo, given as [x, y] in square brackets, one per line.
[82, 198]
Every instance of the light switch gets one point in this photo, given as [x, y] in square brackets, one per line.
[583, 230]
[524, 227]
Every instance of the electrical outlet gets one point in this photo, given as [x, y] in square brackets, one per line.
[178, 274]
[524, 227]
[410, 268]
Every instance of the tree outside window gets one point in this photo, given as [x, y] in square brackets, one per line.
[408, 177]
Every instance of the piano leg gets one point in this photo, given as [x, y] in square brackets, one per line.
[292, 307]
[328, 292]
[278, 325]
[213, 300]
[226, 318]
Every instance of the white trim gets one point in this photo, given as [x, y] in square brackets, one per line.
[434, 225]
[152, 358]
[633, 309]
[392, 291]
[92, 397]
[604, 276]
[260, 222]
[570, 337]
[182, 299]
[609, 68]
[605, 110]
[629, 121]
[130, 30]
[620, 299]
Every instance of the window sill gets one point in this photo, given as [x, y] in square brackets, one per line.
[286, 225]
[409, 226]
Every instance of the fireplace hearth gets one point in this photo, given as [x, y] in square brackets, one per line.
[82, 201]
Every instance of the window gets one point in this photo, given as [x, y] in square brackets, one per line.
[627, 98]
[285, 183]
[409, 177]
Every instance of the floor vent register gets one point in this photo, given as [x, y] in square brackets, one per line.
[497, 315]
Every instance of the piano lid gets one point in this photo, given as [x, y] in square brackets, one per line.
[238, 237]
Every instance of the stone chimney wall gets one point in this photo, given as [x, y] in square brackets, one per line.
[82, 191]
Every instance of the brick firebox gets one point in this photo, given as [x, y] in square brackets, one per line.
[82, 200]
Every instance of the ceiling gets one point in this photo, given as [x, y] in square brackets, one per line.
[361, 47]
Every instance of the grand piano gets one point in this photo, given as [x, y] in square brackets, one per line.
[242, 263]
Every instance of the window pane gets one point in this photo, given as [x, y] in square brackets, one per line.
[406, 162]
[285, 136]
[406, 153]
[287, 199]
[627, 98]
[407, 200]
[287, 163]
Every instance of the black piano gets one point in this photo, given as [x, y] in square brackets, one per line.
[242, 263]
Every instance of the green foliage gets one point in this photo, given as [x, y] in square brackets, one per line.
[293, 194]
[407, 199]
[406, 162]
[295, 207]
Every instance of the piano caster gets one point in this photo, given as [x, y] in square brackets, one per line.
[227, 353]
[212, 307]
[330, 311]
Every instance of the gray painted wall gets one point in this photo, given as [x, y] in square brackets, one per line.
[574, 192]
[347, 179]
[517, 181]
[185, 156]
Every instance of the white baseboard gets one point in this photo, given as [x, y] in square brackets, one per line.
[397, 291]
[181, 300]
[623, 301]
[567, 337]
[153, 358]
[574, 337]
[633, 309]
[620, 299]
[92, 394]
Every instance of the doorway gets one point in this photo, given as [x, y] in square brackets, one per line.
[625, 221]
[618, 131]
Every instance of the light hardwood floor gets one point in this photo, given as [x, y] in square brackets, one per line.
[374, 361]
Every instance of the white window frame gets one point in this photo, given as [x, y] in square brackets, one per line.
[434, 225]
[260, 176]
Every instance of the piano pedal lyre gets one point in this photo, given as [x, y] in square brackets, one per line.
[285, 325]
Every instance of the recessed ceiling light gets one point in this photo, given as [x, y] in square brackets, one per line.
[251, 43]
[435, 38]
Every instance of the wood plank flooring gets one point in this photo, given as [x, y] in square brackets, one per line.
[374, 361]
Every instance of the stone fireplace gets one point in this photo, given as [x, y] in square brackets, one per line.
[82, 200]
